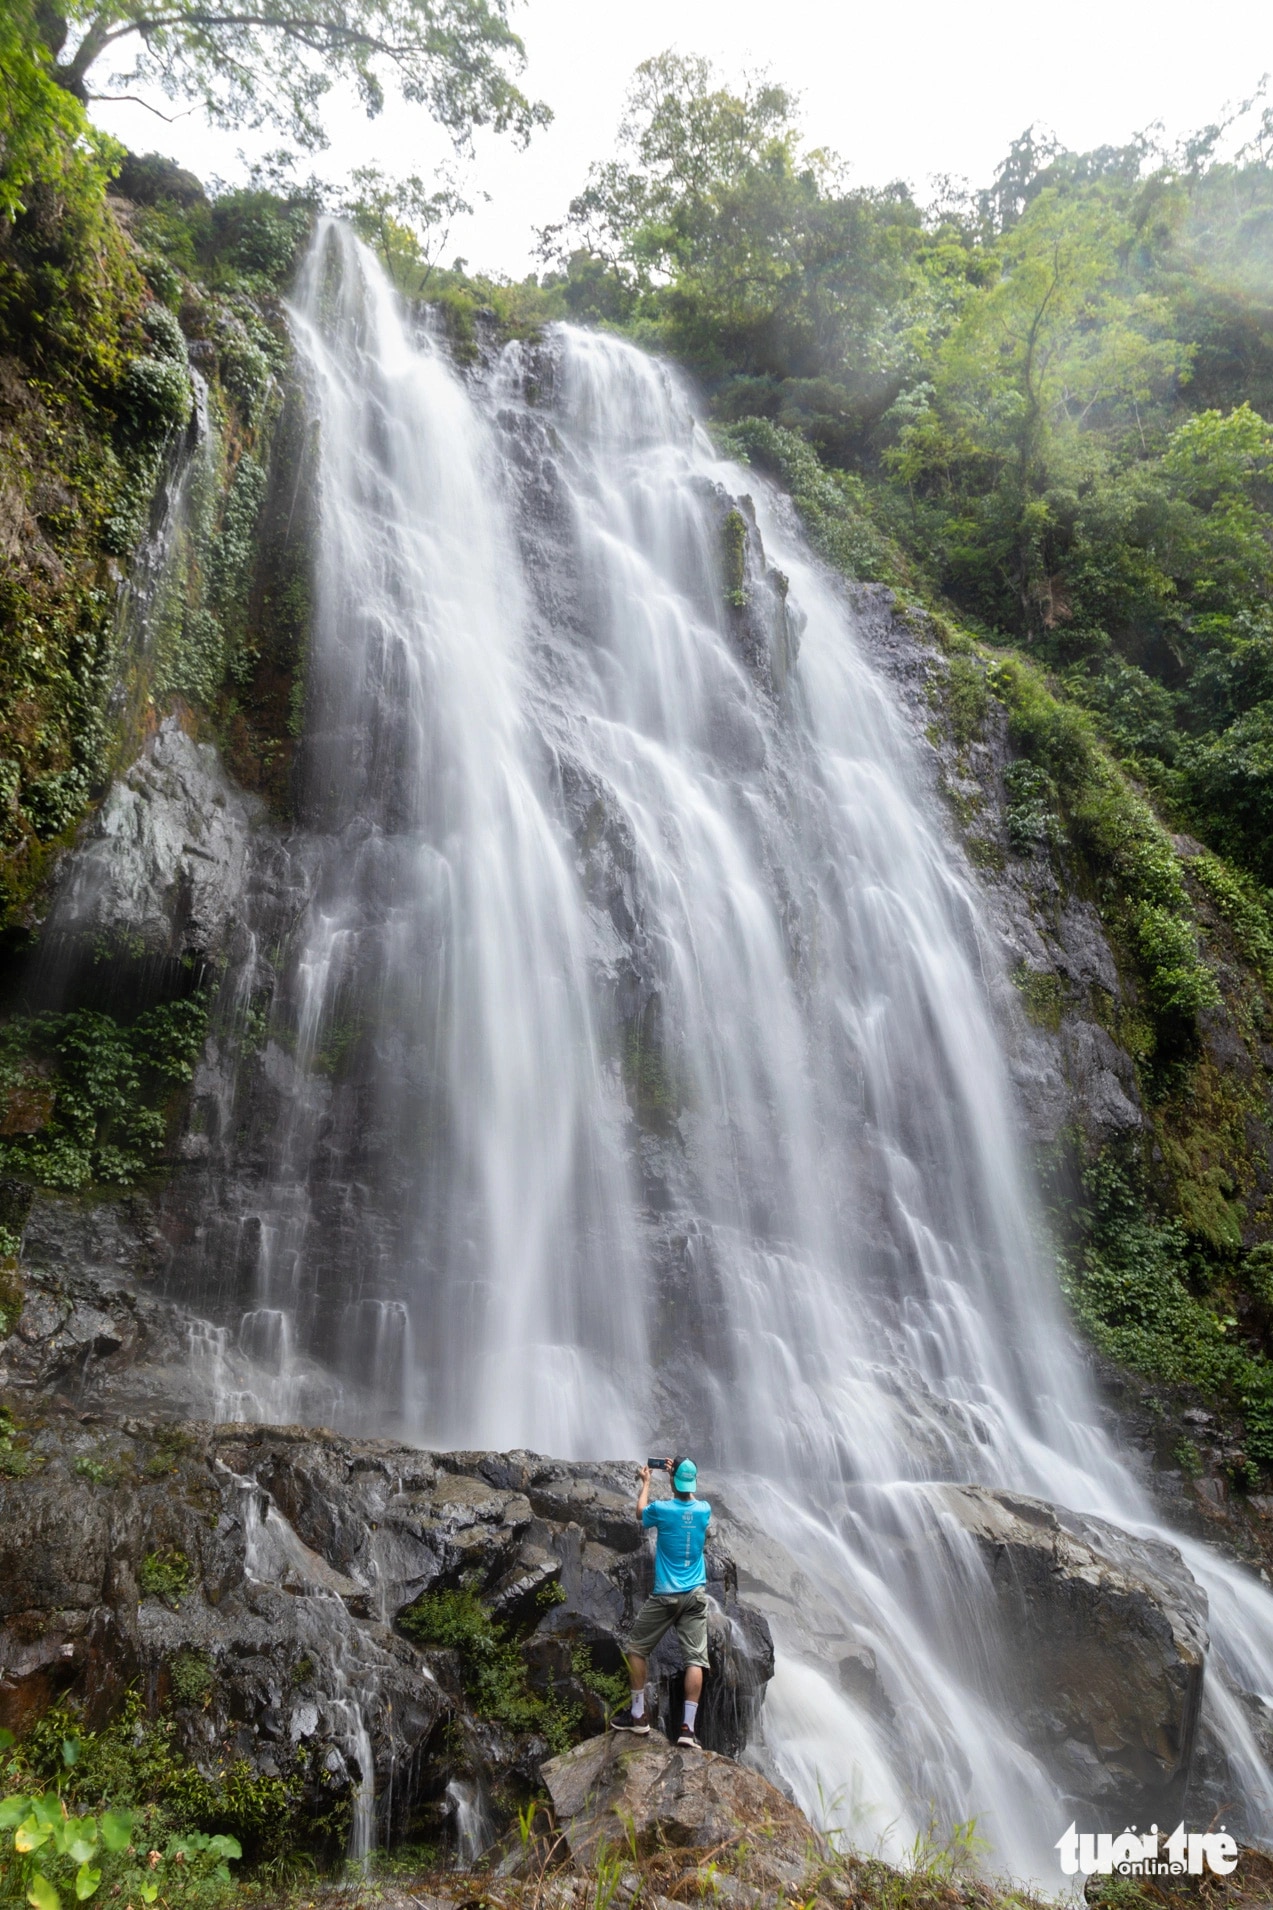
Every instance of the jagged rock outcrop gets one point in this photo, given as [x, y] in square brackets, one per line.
[161, 870]
[278, 1561]
[638, 1796]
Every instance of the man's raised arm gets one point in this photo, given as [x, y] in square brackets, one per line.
[643, 1496]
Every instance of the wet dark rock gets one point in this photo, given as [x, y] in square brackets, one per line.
[88, 1328]
[298, 1552]
[1103, 1642]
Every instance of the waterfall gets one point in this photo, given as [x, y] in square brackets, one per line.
[630, 1076]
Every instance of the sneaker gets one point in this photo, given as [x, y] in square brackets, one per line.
[624, 1721]
[687, 1740]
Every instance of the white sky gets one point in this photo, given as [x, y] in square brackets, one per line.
[904, 88]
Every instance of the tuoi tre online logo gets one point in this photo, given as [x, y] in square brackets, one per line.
[1138, 1854]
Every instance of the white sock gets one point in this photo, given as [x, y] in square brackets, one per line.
[691, 1711]
[638, 1703]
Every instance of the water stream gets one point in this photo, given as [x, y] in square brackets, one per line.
[634, 1078]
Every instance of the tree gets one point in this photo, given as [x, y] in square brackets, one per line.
[40, 127]
[257, 62]
[406, 222]
[1059, 342]
[745, 251]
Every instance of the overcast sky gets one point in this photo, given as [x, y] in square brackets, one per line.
[900, 89]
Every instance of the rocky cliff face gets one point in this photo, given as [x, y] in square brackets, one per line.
[266, 1584]
[1070, 1071]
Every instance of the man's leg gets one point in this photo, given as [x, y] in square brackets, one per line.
[653, 1619]
[691, 1629]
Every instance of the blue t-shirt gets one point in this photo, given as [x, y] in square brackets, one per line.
[681, 1525]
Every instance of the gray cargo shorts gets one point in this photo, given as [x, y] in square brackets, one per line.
[686, 1611]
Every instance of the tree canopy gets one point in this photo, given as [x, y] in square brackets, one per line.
[274, 61]
[745, 251]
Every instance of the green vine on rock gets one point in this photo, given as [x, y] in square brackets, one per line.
[85, 1097]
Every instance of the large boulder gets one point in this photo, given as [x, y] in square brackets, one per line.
[1100, 1641]
[640, 1795]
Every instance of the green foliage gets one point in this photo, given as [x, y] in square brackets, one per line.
[192, 1678]
[452, 57]
[1049, 401]
[254, 238]
[41, 127]
[491, 1664]
[154, 399]
[15, 1458]
[716, 234]
[49, 1851]
[407, 221]
[611, 1687]
[1031, 812]
[71, 299]
[133, 1764]
[164, 1574]
[85, 1095]
[57, 1856]
[1227, 782]
[967, 699]
[832, 504]
[1065, 788]
[98, 1472]
[1131, 1287]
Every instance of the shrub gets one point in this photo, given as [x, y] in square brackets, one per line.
[154, 399]
[492, 1669]
[258, 235]
[115, 1852]
[245, 371]
[164, 1574]
[85, 1095]
[192, 1677]
[1129, 1287]
[832, 504]
[1130, 858]
[1228, 785]
[99, 1472]
[165, 334]
[1031, 814]
[15, 1459]
[1242, 905]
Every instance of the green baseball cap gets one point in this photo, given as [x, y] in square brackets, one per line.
[685, 1478]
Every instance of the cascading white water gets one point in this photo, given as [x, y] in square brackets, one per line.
[676, 1106]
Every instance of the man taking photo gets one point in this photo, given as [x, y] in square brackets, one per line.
[679, 1598]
